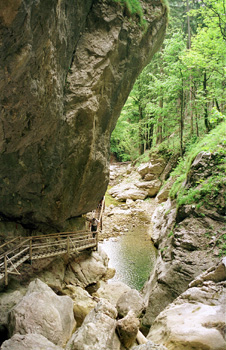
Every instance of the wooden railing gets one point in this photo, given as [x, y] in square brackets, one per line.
[20, 249]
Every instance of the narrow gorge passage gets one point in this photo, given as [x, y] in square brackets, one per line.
[126, 235]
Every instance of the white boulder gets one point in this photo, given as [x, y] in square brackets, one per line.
[97, 331]
[29, 342]
[43, 312]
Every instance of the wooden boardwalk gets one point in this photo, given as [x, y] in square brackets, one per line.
[18, 250]
[32, 248]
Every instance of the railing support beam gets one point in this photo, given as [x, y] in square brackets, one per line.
[30, 249]
[6, 272]
[68, 246]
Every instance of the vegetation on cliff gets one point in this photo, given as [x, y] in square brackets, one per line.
[213, 143]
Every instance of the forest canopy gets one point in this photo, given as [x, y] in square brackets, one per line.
[180, 95]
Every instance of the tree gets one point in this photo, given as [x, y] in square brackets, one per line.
[181, 94]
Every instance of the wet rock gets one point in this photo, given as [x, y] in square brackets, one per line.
[41, 311]
[130, 301]
[97, 331]
[112, 291]
[127, 329]
[196, 319]
[83, 272]
[29, 342]
[109, 274]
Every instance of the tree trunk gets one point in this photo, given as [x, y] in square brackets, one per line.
[190, 77]
[206, 121]
[181, 107]
[159, 124]
[141, 132]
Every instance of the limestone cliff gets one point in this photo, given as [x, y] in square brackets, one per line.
[66, 69]
[190, 237]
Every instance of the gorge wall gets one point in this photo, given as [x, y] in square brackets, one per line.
[66, 69]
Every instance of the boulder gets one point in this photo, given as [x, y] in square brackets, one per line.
[152, 169]
[150, 187]
[29, 342]
[196, 319]
[109, 274]
[163, 194]
[172, 163]
[149, 346]
[130, 202]
[162, 221]
[149, 177]
[127, 329]
[143, 169]
[7, 301]
[117, 189]
[54, 273]
[130, 301]
[89, 270]
[83, 302]
[125, 191]
[97, 331]
[132, 193]
[156, 168]
[215, 274]
[112, 291]
[43, 312]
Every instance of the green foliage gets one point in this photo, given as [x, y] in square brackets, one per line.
[221, 242]
[207, 190]
[133, 8]
[170, 234]
[180, 95]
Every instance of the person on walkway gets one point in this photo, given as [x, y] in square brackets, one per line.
[93, 226]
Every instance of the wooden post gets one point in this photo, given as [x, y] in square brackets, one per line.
[68, 246]
[96, 240]
[6, 272]
[30, 249]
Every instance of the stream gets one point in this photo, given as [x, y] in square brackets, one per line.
[132, 255]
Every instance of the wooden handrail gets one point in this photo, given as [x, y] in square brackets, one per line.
[61, 242]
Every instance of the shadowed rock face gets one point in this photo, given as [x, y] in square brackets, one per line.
[66, 69]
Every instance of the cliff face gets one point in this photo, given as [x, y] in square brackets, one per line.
[190, 237]
[66, 69]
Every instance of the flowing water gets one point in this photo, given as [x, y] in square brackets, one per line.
[132, 255]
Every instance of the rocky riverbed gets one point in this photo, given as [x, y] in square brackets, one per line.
[71, 305]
